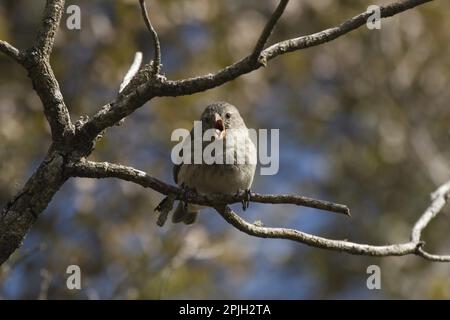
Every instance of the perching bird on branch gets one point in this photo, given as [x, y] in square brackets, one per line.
[228, 158]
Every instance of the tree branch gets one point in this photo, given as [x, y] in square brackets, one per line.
[37, 62]
[268, 29]
[414, 246]
[314, 241]
[22, 211]
[91, 169]
[340, 30]
[47, 88]
[161, 87]
[439, 199]
[50, 23]
[11, 51]
[247, 64]
[134, 68]
[433, 257]
[156, 44]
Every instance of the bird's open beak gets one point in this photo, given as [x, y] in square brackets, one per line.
[219, 126]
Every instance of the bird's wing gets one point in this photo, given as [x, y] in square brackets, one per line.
[177, 167]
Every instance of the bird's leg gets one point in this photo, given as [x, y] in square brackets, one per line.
[184, 193]
[248, 197]
[246, 200]
[185, 190]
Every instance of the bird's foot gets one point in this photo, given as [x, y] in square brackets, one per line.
[184, 196]
[246, 200]
[185, 190]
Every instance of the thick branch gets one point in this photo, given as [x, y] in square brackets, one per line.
[90, 169]
[22, 211]
[50, 23]
[47, 88]
[37, 62]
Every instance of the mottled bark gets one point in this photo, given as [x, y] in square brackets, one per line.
[22, 211]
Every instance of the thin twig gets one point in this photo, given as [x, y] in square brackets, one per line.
[11, 51]
[439, 199]
[433, 257]
[134, 68]
[311, 240]
[268, 29]
[156, 44]
[301, 201]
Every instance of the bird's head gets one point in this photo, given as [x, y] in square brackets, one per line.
[221, 116]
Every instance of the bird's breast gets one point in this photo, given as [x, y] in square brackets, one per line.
[222, 177]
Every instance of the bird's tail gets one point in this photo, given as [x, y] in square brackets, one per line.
[182, 214]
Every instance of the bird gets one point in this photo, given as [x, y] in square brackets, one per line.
[233, 173]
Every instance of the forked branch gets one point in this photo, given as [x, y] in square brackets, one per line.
[156, 44]
[125, 105]
[90, 169]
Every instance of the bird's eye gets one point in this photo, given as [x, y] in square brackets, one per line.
[228, 115]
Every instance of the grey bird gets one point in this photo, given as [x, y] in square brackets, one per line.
[234, 173]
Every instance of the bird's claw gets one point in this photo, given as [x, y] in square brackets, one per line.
[185, 190]
[184, 196]
[246, 200]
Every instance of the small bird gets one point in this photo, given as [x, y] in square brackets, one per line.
[231, 175]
